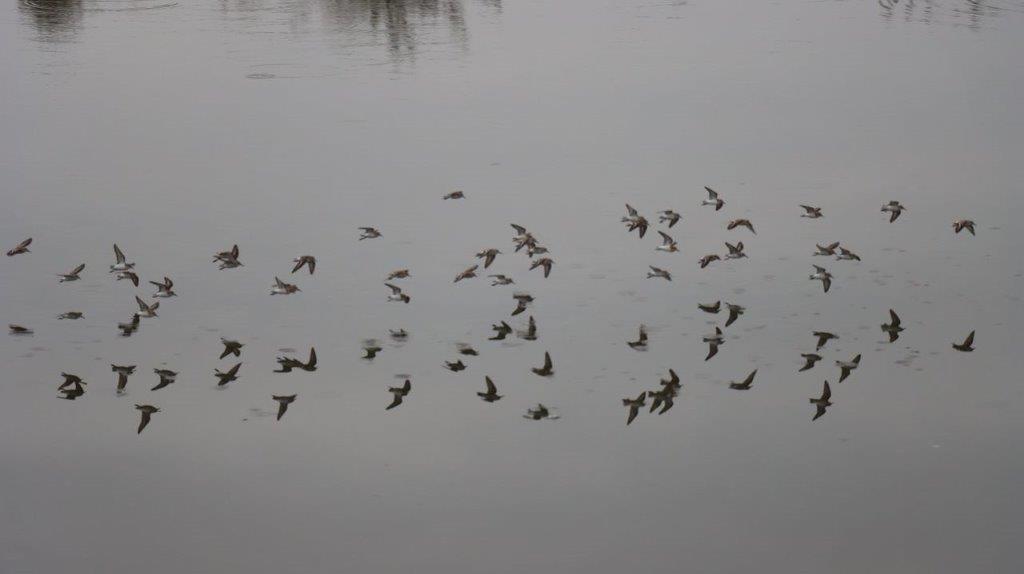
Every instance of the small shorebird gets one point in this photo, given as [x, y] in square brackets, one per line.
[397, 294]
[745, 384]
[370, 349]
[72, 393]
[457, 194]
[282, 288]
[368, 233]
[166, 377]
[501, 331]
[455, 366]
[713, 341]
[530, 334]
[147, 310]
[130, 327]
[809, 361]
[847, 255]
[282, 403]
[307, 260]
[740, 222]
[541, 412]
[545, 262]
[821, 274]
[467, 350]
[21, 248]
[398, 334]
[289, 363]
[399, 393]
[672, 381]
[19, 330]
[634, 405]
[231, 348]
[664, 398]
[228, 259]
[69, 380]
[894, 208]
[669, 216]
[958, 226]
[734, 313]
[147, 412]
[708, 259]
[488, 256]
[713, 199]
[811, 212]
[735, 251]
[967, 346]
[657, 272]
[635, 221]
[714, 308]
[501, 280]
[226, 377]
[829, 249]
[72, 315]
[492, 392]
[823, 337]
[846, 367]
[467, 274]
[72, 275]
[822, 403]
[123, 372]
[129, 275]
[397, 274]
[893, 327]
[641, 343]
[164, 289]
[547, 369]
[120, 263]
[667, 243]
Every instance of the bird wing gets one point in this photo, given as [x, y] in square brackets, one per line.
[547, 361]
[144, 421]
[312, 357]
[632, 212]
[734, 313]
[142, 304]
[895, 318]
[969, 340]
[395, 289]
[712, 194]
[666, 239]
[234, 370]
[712, 351]
[749, 379]
[24, 244]
[826, 392]
[826, 283]
[77, 270]
[298, 265]
[118, 254]
[491, 389]
[519, 229]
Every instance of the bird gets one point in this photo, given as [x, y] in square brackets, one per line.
[823, 337]
[130, 327]
[713, 341]
[734, 313]
[893, 327]
[809, 361]
[547, 369]
[846, 367]
[656, 272]
[530, 334]
[521, 305]
[398, 274]
[456, 366]
[811, 212]
[457, 194]
[664, 398]
[368, 233]
[488, 255]
[634, 405]
[147, 412]
[69, 380]
[398, 334]
[713, 308]
[282, 288]
[672, 380]
[745, 384]
[635, 221]
[226, 377]
[307, 260]
[166, 377]
[290, 363]
[713, 199]
[123, 372]
[829, 249]
[821, 274]
[72, 315]
[967, 345]
[399, 393]
[467, 274]
[491, 394]
[282, 403]
[19, 330]
[708, 259]
[545, 262]
[164, 289]
[669, 216]
[129, 275]
[847, 255]
[72, 393]
[21, 248]
[397, 294]
[120, 263]
[740, 223]
[370, 348]
[641, 343]
[465, 349]
[822, 403]
[538, 413]
[735, 251]
[958, 226]
[501, 331]
[228, 259]
[501, 280]
[894, 208]
[147, 310]
[231, 348]
[667, 243]
[71, 275]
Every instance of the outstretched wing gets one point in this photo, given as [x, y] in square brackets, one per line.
[118, 255]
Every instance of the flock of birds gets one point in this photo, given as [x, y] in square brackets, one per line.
[661, 399]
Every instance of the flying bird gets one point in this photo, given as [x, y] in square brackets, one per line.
[282, 403]
[734, 313]
[967, 346]
[810, 359]
[307, 260]
[456, 366]
[501, 280]
[547, 369]
[288, 364]
[847, 255]
[657, 272]
[231, 348]
[501, 331]
[708, 259]
[713, 199]
[467, 274]
[491, 394]
[457, 194]
[958, 226]
[846, 367]
[541, 412]
[822, 403]
[828, 250]
[745, 384]
[545, 262]
[811, 212]
[282, 288]
[735, 251]
[21, 248]
[669, 216]
[71, 275]
[123, 372]
[893, 327]
[713, 341]
[397, 294]
[129, 275]
[166, 377]
[147, 310]
[530, 334]
[368, 233]
[398, 274]
[399, 393]
[147, 412]
[894, 208]
[634, 405]
[72, 315]
[19, 330]
[821, 274]
[668, 244]
[164, 289]
[740, 223]
[641, 343]
[823, 337]
[488, 255]
[713, 308]
[226, 377]
[120, 263]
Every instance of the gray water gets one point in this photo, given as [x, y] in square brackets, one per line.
[179, 128]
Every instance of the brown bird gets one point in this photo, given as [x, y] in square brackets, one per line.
[398, 274]
[467, 274]
[289, 363]
[811, 212]
[123, 372]
[488, 255]
[19, 330]
[712, 308]
[634, 405]
[231, 348]
[282, 403]
[545, 262]
[967, 346]
[823, 337]
[822, 403]
[958, 226]
[708, 259]
[492, 392]
[227, 376]
[547, 369]
[147, 412]
[457, 194]
[21, 248]
[741, 223]
[745, 384]
[399, 394]
[307, 260]
[71, 275]
[641, 343]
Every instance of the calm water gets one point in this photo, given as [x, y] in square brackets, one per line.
[179, 128]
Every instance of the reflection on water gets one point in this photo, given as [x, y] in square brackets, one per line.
[400, 22]
[971, 13]
[55, 20]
